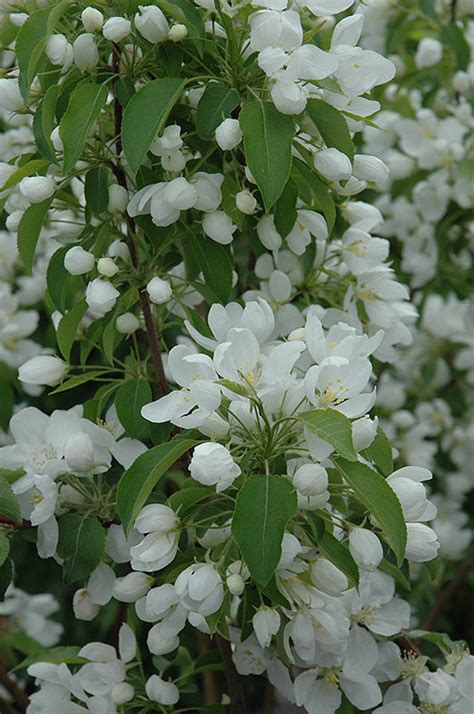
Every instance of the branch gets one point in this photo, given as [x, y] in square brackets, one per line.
[233, 679]
[21, 699]
[447, 593]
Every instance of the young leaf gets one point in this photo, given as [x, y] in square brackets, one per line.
[54, 655]
[215, 261]
[29, 231]
[331, 125]
[140, 479]
[7, 403]
[263, 507]
[80, 544]
[285, 209]
[96, 189]
[67, 328]
[333, 549]
[215, 105]
[44, 122]
[381, 501]
[333, 427]
[380, 452]
[313, 187]
[267, 140]
[145, 116]
[9, 507]
[130, 398]
[84, 106]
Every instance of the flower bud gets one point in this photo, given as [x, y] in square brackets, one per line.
[127, 323]
[177, 32]
[37, 188]
[151, 24]
[364, 431]
[18, 18]
[245, 202]
[365, 548]
[42, 370]
[371, 168]
[116, 29]
[79, 452]
[118, 199]
[86, 55]
[268, 234]
[213, 465]
[107, 267]
[428, 52]
[58, 50]
[333, 164]
[156, 518]
[159, 290]
[101, 296]
[158, 690]
[119, 249]
[122, 693]
[83, 607]
[92, 19]
[422, 543]
[311, 479]
[327, 577]
[131, 587]
[235, 584]
[266, 623]
[228, 134]
[56, 140]
[10, 95]
[78, 261]
[13, 221]
[218, 226]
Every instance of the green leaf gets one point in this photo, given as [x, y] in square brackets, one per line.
[44, 122]
[6, 576]
[333, 549]
[184, 500]
[77, 380]
[442, 640]
[215, 105]
[29, 231]
[130, 398]
[31, 41]
[267, 140]
[310, 184]
[333, 427]
[381, 501]
[453, 36]
[380, 452]
[387, 567]
[7, 403]
[264, 506]
[9, 507]
[215, 262]
[32, 167]
[54, 655]
[80, 544]
[4, 548]
[145, 116]
[140, 479]
[96, 189]
[331, 125]
[285, 209]
[67, 328]
[185, 12]
[84, 106]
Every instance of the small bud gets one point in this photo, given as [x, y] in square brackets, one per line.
[177, 32]
[151, 24]
[78, 261]
[56, 139]
[131, 587]
[107, 267]
[311, 479]
[159, 290]
[10, 95]
[365, 548]
[122, 693]
[228, 134]
[236, 584]
[158, 690]
[101, 296]
[327, 577]
[118, 198]
[92, 19]
[83, 607]
[86, 54]
[246, 202]
[127, 323]
[116, 29]
[37, 188]
[79, 452]
[58, 50]
[333, 164]
[42, 370]
[266, 623]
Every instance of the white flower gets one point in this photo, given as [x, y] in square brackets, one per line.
[78, 261]
[101, 296]
[155, 551]
[246, 202]
[212, 464]
[311, 479]
[407, 484]
[177, 32]
[158, 690]
[79, 452]
[218, 226]
[127, 323]
[228, 134]
[86, 54]
[37, 188]
[269, 28]
[92, 19]
[428, 52]
[200, 589]
[10, 95]
[266, 623]
[83, 607]
[208, 191]
[365, 548]
[43, 370]
[333, 164]
[268, 234]
[118, 198]
[422, 543]
[59, 51]
[327, 577]
[371, 168]
[116, 29]
[131, 587]
[360, 70]
[122, 693]
[159, 290]
[107, 267]
[151, 24]
[156, 518]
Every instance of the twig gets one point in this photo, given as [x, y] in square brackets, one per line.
[234, 682]
[20, 698]
[6, 707]
[447, 593]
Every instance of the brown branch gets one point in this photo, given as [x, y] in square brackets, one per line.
[21, 699]
[233, 679]
[160, 384]
[7, 708]
[447, 593]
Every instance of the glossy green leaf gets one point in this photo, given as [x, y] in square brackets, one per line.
[7, 403]
[96, 189]
[4, 548]
[130, 398]
[380, 452]
[285, 209]
[333, 549]
[264, 506]
[68, 326]
[145, 116]
[215, 262]
[81, 545]
[267, 139]
[333, 427]
[54, 655]
[29, 231]
[215, 105]
[331, 125]
[83, 109]
[6, 577]
[372, 490]
[139, 480]
[317, 194]
[44, 122]
[9, 507]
